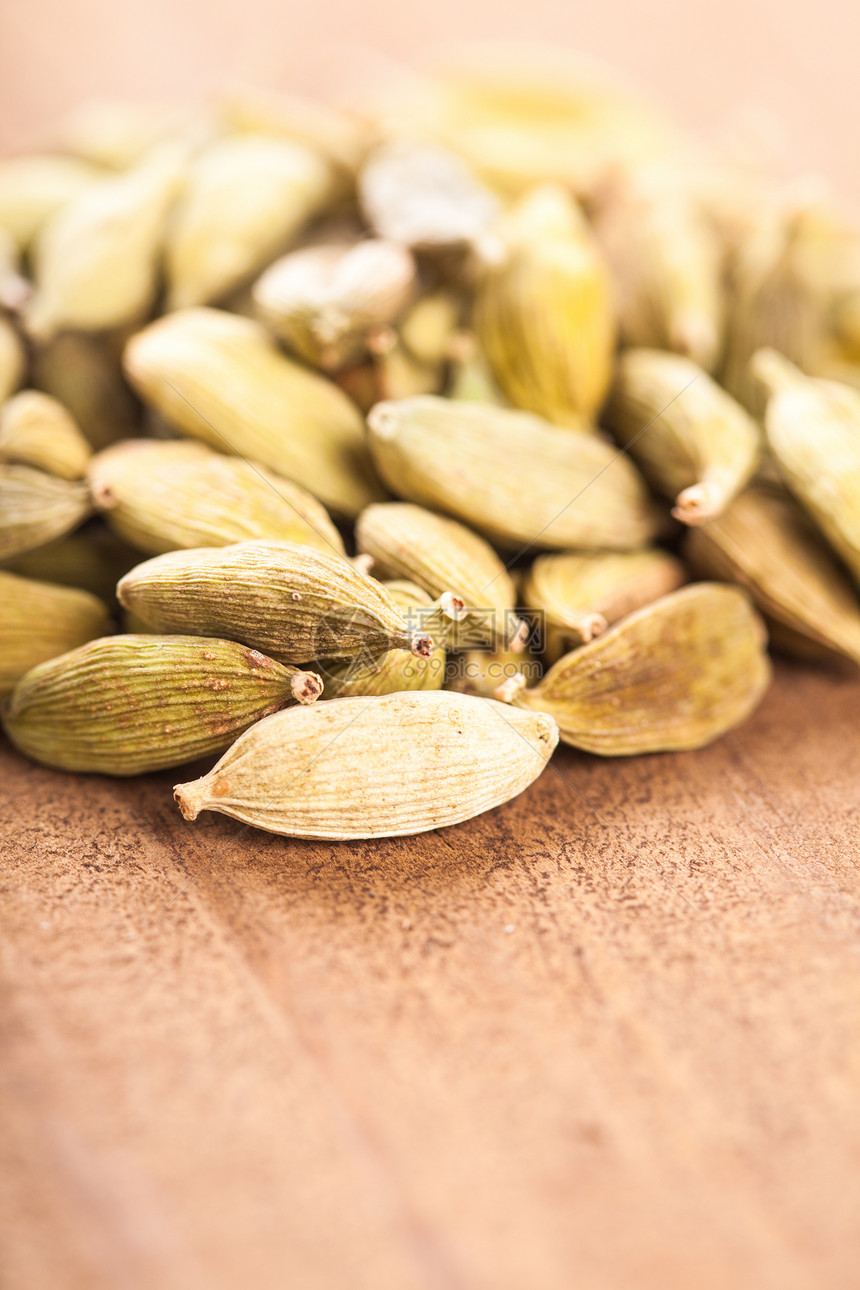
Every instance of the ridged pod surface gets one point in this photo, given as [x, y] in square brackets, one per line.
[375, 767]
[38, 621]
[36, 507]
[396, 669]
[36, 430]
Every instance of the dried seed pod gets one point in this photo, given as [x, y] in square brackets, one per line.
[771, 302]
[81, 372]
[340, 138]
[544, 312]
[291, 601]
[666, 265]
[327, 302]
[441, 555]
[398, 375]
[375, 767]
[118, 134]
[39, 621]
[692, 440]
[396, 669]
[97, 260]
[13, 361]
[676, 674]
[15, 290]
[221, 379]
[172, 495]
[813, 428]
[428, 326]
[482, 672]
[246, 198]
[512, 475]
[36, 430]
[424, 196]
[470, 379]
[35, 508]
[92, 559]
[579, 595]
[123, 705]
[764, 543]
[33, 189]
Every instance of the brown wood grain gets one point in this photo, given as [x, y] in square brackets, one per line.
[607, 1036]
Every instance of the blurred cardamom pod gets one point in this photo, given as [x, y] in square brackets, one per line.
[33, 189]
[93, 559]
[36, 430]
[512, 475]
[123, 705]
[35, 507]
[691, 439]
[291, 601]
[341, 138]
[764, 543]
[38, 621]
[375, 767]
[813, 428]
[245, 199]
[407, 541]
[166, 496]
[396, 669]
[81, 373]
[429, 325]
[13, 361]
[544, 313]
[482, 672]
[578, 595]
[676, 674]
[117, 134]
[326, 302]
[221, 379]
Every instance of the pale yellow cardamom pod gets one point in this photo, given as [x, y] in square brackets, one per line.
[511, 475]
[38, 621]
[118, 134]
[691, 439]
[329, 303]
[34, 188]
[342, 139]
[577, 595]
[375, 767]
[171, 495]
[36, 507]
[765, 543]
[245, 199]
[429, 325]
[13, 361]
[36, 430]
[97, 259]
[123, 705]
[676, 674]
[544, 312]
[293, 602]
[86, 377]
[221, 379]
[396, 669]
[92, 559]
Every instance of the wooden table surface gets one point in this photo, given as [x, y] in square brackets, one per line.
[604, 1038]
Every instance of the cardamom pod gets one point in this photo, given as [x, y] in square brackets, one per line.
[220, 378]
[118, 134]
[429, 325]
[13, 361]
[340, 138]
[81, 373]
[123, 705]
[440, 555]
[92, 559]
[470, 379]
[375, 767]
[691, 439]
[424, 196]
[666, 266]
[326, 303]
[35, 507]
[512, 475]
[813, 428]
[165, 496]
[33, 189]
[97, 259]
[482, 672]
[579, 595]
[36, 430]
[246, 198]
[15, 290]
[290, 601]
[544, 313]
[396, 669]
[39, 621]
[764, 543]
[676, 674]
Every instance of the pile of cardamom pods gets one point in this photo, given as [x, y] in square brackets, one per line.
[375, 450]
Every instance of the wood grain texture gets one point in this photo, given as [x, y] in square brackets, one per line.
[606, 1036]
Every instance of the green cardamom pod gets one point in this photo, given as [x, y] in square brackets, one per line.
[375, 767]
[33, 189]
[511, 475]
[172, 495]
[81, 372]
[92, 559]
[35, 507]
[36, 430]
[396, 669]
[691, 439]
[290, 601]
[123, 705]
[676, 674]
[39, 621]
